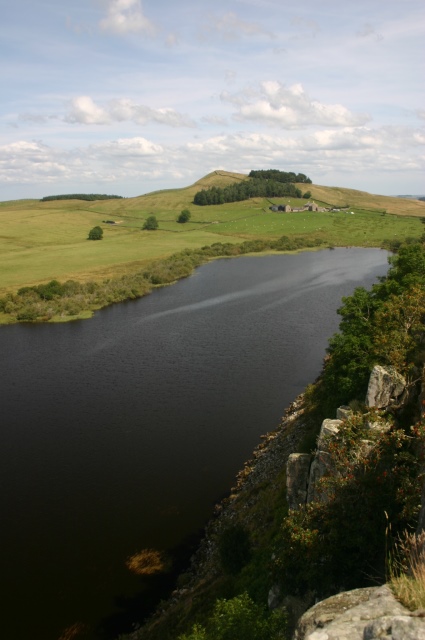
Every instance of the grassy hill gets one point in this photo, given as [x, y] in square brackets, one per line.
[40, 241]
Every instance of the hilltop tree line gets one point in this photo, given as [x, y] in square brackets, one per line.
[279, 176]
[252, 188]
[81, 196]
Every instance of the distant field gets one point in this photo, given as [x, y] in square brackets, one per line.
[41, 241]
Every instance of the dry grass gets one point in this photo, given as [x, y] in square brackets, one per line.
[408, 571]
[147, 562]
[339, 197]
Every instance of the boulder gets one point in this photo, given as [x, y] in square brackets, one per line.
[328, 430]
[361, 614]
[297, 472]
[385, 387]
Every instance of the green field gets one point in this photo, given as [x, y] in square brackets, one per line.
[40, 241]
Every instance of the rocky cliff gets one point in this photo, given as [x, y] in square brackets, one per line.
[367, 613]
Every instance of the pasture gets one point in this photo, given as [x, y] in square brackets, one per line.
[40, 241]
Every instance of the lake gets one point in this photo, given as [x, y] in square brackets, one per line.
[121, 432]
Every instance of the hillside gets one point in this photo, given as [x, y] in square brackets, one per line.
[44, 241]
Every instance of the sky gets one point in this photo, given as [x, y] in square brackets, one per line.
[129, 96]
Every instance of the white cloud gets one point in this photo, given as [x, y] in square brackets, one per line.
[85, 111]
[126, 16]
[352, 151]
[289, 107]
[127, 147]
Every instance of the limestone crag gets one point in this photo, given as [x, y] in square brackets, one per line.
[361, 614]
[297, 477]
[386, 387]
[304, 472]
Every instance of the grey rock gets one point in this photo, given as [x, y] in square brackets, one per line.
[362, 614]
[328, 430]
[385, 387]
[343, 413]
[297, 473]
[321, 466]
[322, 463]
[378, 427]
[396, 628]
[274, 598]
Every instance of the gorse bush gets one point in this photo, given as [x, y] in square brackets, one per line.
[240, 619]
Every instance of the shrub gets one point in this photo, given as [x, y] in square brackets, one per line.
[240, 619]
[341, 543]
[151, 223]
[96, 233]
[184, 216]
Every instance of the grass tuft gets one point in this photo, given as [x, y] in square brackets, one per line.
[407, 571]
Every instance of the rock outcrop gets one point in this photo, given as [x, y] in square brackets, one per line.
[297, 475]
[386, 387]
[303, 471]
[362, 614]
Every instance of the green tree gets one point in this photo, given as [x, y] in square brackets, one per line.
[184, 216]
[96, 233]
[307, 195]
[151, 223]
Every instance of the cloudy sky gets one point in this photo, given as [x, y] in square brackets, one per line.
[128, 96]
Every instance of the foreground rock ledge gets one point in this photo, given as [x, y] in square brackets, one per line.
[361, 614]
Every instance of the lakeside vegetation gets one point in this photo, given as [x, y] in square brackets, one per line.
[45, 241]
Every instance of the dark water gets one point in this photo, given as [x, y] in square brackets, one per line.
[120, 433]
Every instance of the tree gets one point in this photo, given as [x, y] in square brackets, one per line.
[151, 223]
[184, 216]
[307, 195]
[96, 233]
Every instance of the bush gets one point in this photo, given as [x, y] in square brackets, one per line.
[240, 619]
[184, 216]
[96, 233]
[340, 544]
[151, 223]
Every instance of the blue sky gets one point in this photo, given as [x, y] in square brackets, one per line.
[125, 96]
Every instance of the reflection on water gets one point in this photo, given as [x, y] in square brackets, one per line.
[119, 434]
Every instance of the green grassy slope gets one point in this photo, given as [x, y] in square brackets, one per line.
[44, 240]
